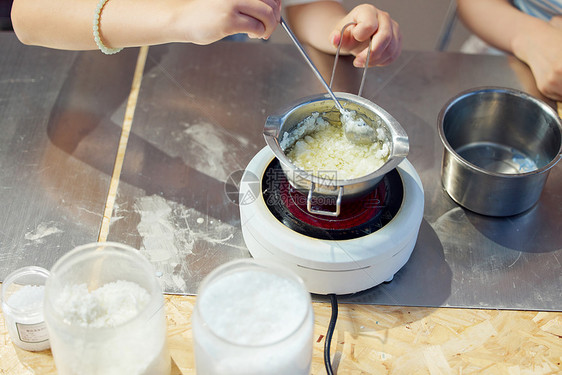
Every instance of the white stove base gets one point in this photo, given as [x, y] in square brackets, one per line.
[326, 266]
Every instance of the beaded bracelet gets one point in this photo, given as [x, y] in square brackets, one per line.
[96, 28]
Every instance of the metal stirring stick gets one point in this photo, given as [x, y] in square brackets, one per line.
[309, 61]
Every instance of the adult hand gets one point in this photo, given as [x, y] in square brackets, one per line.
[370, 24]
[206, 21]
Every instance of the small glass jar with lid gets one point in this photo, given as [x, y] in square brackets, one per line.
[22, 304]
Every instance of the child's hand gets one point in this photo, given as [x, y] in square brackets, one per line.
[370, 23]
[541, 50]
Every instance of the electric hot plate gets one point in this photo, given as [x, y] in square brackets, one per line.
[371, 239]
[358, 217]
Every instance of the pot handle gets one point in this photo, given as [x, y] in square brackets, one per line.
[272, 126]
[322, 212]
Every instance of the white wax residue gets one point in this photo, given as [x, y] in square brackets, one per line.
[29, 297]
[309, 125]
[322, 148]
[253, 307]
[355, 124]
[110, 305]
[523, 164]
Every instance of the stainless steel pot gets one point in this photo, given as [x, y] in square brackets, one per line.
[286, 121]
[499, 147]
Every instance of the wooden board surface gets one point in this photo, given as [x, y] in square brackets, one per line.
[380, 340]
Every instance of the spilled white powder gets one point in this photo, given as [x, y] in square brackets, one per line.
[107, 306]
[42, 231]
[322, 148]
[169, 232]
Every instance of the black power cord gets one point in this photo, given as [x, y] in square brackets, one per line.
[329, 334]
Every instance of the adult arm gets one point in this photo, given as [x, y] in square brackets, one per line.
[67, 24]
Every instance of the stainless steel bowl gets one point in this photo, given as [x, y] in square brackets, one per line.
[499, 147]
[287, 120]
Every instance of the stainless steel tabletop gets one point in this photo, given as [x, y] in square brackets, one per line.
[57, 148]
[198, 121]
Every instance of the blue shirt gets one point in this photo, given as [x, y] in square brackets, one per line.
[543, 9]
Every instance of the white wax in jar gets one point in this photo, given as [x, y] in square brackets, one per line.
[100, 332]
[23, 312]
[256, 322]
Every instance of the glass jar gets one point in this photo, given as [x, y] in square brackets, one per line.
[105, 313]
[22, 304]
[252, 317]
